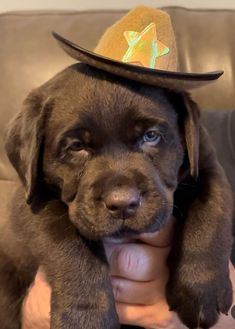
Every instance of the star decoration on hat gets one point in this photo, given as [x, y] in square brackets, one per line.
[144, 48]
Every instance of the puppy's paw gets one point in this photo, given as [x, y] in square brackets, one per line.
[199, 304]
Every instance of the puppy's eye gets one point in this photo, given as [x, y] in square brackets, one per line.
[152, 137]
[75, 146]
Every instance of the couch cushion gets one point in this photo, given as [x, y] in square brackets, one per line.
[7, 188]
[220, 125]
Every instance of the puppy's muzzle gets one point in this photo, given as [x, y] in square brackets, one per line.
[122, 202]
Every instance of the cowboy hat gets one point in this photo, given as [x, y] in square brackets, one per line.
[141, 47]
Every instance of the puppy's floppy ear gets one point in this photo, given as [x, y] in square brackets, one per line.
[191, 131]
[23, 141]
[189, 123]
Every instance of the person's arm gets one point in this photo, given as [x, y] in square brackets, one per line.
[139, 275]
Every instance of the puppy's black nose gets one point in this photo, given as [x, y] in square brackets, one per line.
[122, 202]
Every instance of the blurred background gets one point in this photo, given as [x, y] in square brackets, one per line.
[6, 5]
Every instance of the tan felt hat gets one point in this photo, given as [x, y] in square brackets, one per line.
[140, 46]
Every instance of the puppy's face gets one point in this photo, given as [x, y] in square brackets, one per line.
[114, 152]
[109, 148]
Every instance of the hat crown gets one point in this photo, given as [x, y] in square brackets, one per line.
[143, 37]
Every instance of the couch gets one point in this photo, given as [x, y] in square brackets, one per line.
[29, 56]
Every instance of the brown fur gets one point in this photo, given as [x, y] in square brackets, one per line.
[63, 224]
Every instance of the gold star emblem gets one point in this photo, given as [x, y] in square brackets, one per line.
[144, 48]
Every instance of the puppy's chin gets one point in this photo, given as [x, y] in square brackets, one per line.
[103, 227]
[156, 223]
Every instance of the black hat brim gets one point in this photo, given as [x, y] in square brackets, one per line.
[160, 78]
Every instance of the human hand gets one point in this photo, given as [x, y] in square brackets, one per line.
[139, 276]
[36, 307]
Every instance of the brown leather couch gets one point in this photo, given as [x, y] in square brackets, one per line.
[29, 56]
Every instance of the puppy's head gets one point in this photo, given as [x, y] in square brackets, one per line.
[112, 150]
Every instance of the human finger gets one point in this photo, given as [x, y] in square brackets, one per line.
[155, 316]
[135, 292]
[136, 261]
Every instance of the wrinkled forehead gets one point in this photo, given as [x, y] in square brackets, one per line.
[105, 101]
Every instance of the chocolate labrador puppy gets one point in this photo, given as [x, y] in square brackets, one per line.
[99, 156]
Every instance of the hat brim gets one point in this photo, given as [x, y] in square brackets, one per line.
[160, 78]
